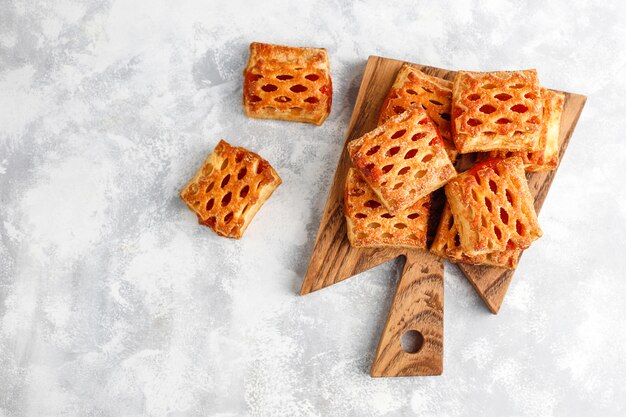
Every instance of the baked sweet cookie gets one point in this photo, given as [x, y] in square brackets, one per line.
[492, 207]
[413, 88]
[547, 157]
[287, 83]
[371, 225]
[447, 244]
[496, 111]
[403, 159]
[229, 188]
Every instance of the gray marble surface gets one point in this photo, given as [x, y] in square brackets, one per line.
[115, 302]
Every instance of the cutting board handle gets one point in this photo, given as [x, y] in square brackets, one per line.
[412, 340]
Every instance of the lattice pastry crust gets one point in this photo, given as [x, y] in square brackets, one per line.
[402, 160]
[496, 111]
[415, 88]
[287, 83]
[447, 244]
[371, 225]
[229, 188]
[492, 207]
[547, 158]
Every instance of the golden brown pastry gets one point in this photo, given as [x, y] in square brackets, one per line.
[413, 88]
[496, 111]
[229, 188]
[447, 244]
[287, 83]
[371, 225]
[547, 157]
[492, 207]
[403, 160]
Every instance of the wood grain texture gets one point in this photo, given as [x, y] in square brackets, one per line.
[334, 260]
[417, 305]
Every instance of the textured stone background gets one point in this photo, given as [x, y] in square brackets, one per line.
[113, 301]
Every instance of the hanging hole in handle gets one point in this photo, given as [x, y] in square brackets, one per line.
[412, 341]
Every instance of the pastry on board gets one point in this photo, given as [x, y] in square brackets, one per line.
[500, 110]
[547, 157]
[492, 207]
[287, 83]
[413, 87]
[229, 188]
[403, 160]
[371, 225]
[447, 244]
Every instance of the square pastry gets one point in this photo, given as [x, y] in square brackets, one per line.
[403, 159]
[415, 88]
[492, 207]
[229, 188]
[287, 83]
[447, 244]
[547, 157]
[496, 111]
[371, 225]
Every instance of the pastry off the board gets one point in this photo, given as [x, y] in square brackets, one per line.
[412, 88]
[492, 207]
[500, 110]
[403, 160]
[547, 157]
[287, 83]
[447, 244]
[229, 188]
[371, 225]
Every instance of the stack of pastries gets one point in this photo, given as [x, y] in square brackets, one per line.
[505, 119]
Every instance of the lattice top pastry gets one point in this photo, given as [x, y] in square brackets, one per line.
[496, 111]
[371, 225]
[447, 244]
[287, 83]
[547, 157]
[403, 159]
[492, 207]
[413, 88]
[229, 188]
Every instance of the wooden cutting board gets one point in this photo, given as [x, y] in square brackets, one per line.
[418, 302]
